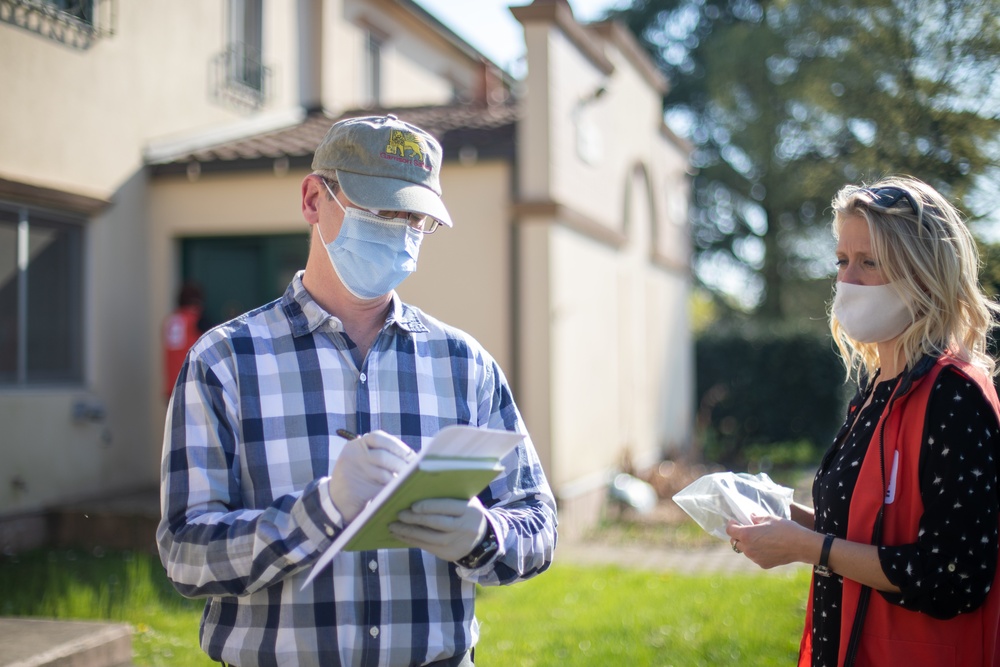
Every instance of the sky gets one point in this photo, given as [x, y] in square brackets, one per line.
[489, 26]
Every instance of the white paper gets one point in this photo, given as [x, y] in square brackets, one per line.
[457, 441]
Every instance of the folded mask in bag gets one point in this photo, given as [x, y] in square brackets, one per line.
[715, 499]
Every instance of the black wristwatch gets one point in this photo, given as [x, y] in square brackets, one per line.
[823, 568]
[482, 552]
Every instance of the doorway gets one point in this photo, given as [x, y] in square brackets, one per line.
[240, 273]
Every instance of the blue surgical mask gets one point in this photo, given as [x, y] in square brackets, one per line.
[372, 255]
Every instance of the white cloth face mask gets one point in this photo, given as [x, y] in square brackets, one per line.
[871, 313]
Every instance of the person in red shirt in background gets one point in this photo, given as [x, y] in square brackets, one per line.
[181, 329]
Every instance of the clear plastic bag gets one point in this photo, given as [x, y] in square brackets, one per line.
[715, 499]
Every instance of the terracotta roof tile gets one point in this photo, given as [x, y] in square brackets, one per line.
[478, 124]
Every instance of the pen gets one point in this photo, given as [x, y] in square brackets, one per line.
[347, 435]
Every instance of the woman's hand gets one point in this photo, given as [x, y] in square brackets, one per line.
[771, 541]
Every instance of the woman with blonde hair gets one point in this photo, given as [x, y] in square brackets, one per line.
[903, 532]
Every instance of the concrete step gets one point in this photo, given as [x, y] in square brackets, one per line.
[34, 642]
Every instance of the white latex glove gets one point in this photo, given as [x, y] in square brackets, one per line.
[445, 527]
[365, 465]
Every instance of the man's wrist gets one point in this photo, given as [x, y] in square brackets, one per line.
[482, 552]
[332, 521]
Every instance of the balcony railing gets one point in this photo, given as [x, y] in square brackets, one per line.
[75, 23]
[239, 77]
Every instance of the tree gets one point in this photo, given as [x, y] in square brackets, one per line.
[786, 101]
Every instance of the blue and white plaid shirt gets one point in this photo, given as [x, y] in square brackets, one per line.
[247, 454]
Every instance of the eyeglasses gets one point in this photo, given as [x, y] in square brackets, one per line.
[883, 199]
[419, 222]
[424, 224]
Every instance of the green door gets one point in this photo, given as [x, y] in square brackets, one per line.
[240, 273]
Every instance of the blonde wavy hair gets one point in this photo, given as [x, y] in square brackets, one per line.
[931, 259]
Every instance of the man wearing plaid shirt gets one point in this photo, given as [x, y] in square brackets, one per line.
[256, 485]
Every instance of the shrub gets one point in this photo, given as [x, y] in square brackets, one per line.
[759, 385]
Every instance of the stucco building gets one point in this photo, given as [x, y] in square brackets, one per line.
[148, 143]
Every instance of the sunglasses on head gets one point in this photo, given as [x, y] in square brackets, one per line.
[883, 199]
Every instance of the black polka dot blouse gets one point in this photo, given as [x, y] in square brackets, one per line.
[949, 569]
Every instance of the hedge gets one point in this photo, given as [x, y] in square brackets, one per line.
[760, 387]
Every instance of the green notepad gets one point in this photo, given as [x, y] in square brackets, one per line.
[434, 478]
[459, 462]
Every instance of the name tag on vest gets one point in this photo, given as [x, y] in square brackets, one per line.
[890, 494]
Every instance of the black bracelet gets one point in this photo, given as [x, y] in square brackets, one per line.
[823, 569]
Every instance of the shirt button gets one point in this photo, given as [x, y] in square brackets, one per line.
[372, 566]
[363, 378]
[373, 632]
[329, 531]
[951, 567]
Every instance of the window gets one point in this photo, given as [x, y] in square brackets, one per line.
[246, 32]
[240, 75]
[81, 10]
[41, 270]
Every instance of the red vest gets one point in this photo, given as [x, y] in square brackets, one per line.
[893, 635]
[180, 332]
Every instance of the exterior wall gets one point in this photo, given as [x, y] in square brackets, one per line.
[455, 281]
[535, 166]
[85, 120]
[213, 205]
[603, 125]
[588, 425]
[418, 68]
[91, 111]
[670, 362]
[117, 285]
[53, 456]
[535, 336]
[604, 273]
[581, 280]
[463, 275]
[83, 117]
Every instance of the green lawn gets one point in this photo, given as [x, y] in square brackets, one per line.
[611, 616]
[569, 615]
[120, 587]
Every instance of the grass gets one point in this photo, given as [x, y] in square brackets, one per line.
[632, 530]
[612, 616]
[120, 587]
[569, 615]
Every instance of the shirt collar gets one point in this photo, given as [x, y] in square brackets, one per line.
[305, 315]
